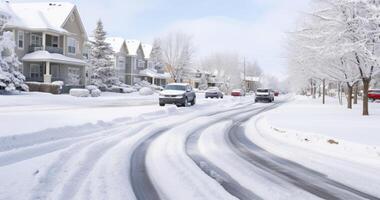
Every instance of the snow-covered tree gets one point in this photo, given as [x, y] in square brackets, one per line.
[338, 41]
[226, 67]
[156, 54]
[177, 54]
[103, 72]
[11, 78]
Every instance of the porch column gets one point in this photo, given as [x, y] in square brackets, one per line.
[153, 80]
[47, 75]
[43, 41]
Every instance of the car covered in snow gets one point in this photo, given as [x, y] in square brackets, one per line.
[237, 93]
[180, 94]
[213, 92]
[374, 94]
[264, 94]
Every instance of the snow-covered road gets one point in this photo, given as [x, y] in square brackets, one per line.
[200, 152]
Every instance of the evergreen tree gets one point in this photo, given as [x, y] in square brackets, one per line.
[100, 59]
[11, 78]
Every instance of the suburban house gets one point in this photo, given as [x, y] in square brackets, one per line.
[49, 41]
[133, 64]
[153, 74]
[119, 56]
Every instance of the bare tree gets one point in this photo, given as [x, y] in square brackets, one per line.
[177, 54]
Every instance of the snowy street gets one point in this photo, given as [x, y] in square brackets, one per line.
[218, 149]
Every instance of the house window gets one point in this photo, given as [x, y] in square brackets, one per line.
[52, 41]
[20, 39]
[71, 45]
[35, 40]
[35, 71]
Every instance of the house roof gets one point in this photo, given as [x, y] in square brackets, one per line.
[132, 46]
[44, 56]
[147, 49]
[39, 15]
[116, 43]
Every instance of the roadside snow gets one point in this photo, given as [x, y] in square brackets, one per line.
[327, 138]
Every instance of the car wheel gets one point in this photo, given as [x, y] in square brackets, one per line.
[162, 104]
[186, 103]
[222, 96]
[193, 101]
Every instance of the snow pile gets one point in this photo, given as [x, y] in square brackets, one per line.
[94, 91]
[146, 91]
[77, 92]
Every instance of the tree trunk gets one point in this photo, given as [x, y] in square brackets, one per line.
[366, 83]
[324, 91]
[349, 96]
[356, 91]
[339, 94]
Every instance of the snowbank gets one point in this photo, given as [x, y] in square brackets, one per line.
[76, 92]
[145, 91]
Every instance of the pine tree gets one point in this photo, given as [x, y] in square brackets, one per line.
[11, 78]
[100, 58]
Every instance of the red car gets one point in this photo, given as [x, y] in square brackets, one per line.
[276, 93]
[374, 94]
[237, 93]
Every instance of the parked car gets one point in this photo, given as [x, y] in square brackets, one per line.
[276, 93]
[180, 94]
[213, 92]
[374, 94]
[237, 93]
[264, 94]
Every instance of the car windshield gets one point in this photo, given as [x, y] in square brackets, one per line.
[262, 90]
[175, 87]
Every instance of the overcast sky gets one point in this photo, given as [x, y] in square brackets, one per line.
[252, 28]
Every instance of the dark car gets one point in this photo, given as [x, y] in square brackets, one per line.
[374, 94]
[180, 94]
[213, 92]
[264, 95]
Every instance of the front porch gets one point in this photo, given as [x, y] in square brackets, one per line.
[42, 66]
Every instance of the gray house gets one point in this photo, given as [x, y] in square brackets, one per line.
[119, 57]
[49, 41]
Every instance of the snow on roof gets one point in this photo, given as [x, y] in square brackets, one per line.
[132, 46]
[39, 15]
[44, 56]
[116, 43]
[147, 48]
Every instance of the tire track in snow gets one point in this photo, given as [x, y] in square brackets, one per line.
[229, 183]
[64, 177]
[141, 183]
[182, 164]
[302, 177]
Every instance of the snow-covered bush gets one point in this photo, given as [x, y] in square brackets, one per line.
[11, 78]
[78, 92]
[94, 91]
[146, 91]
[60, 84]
